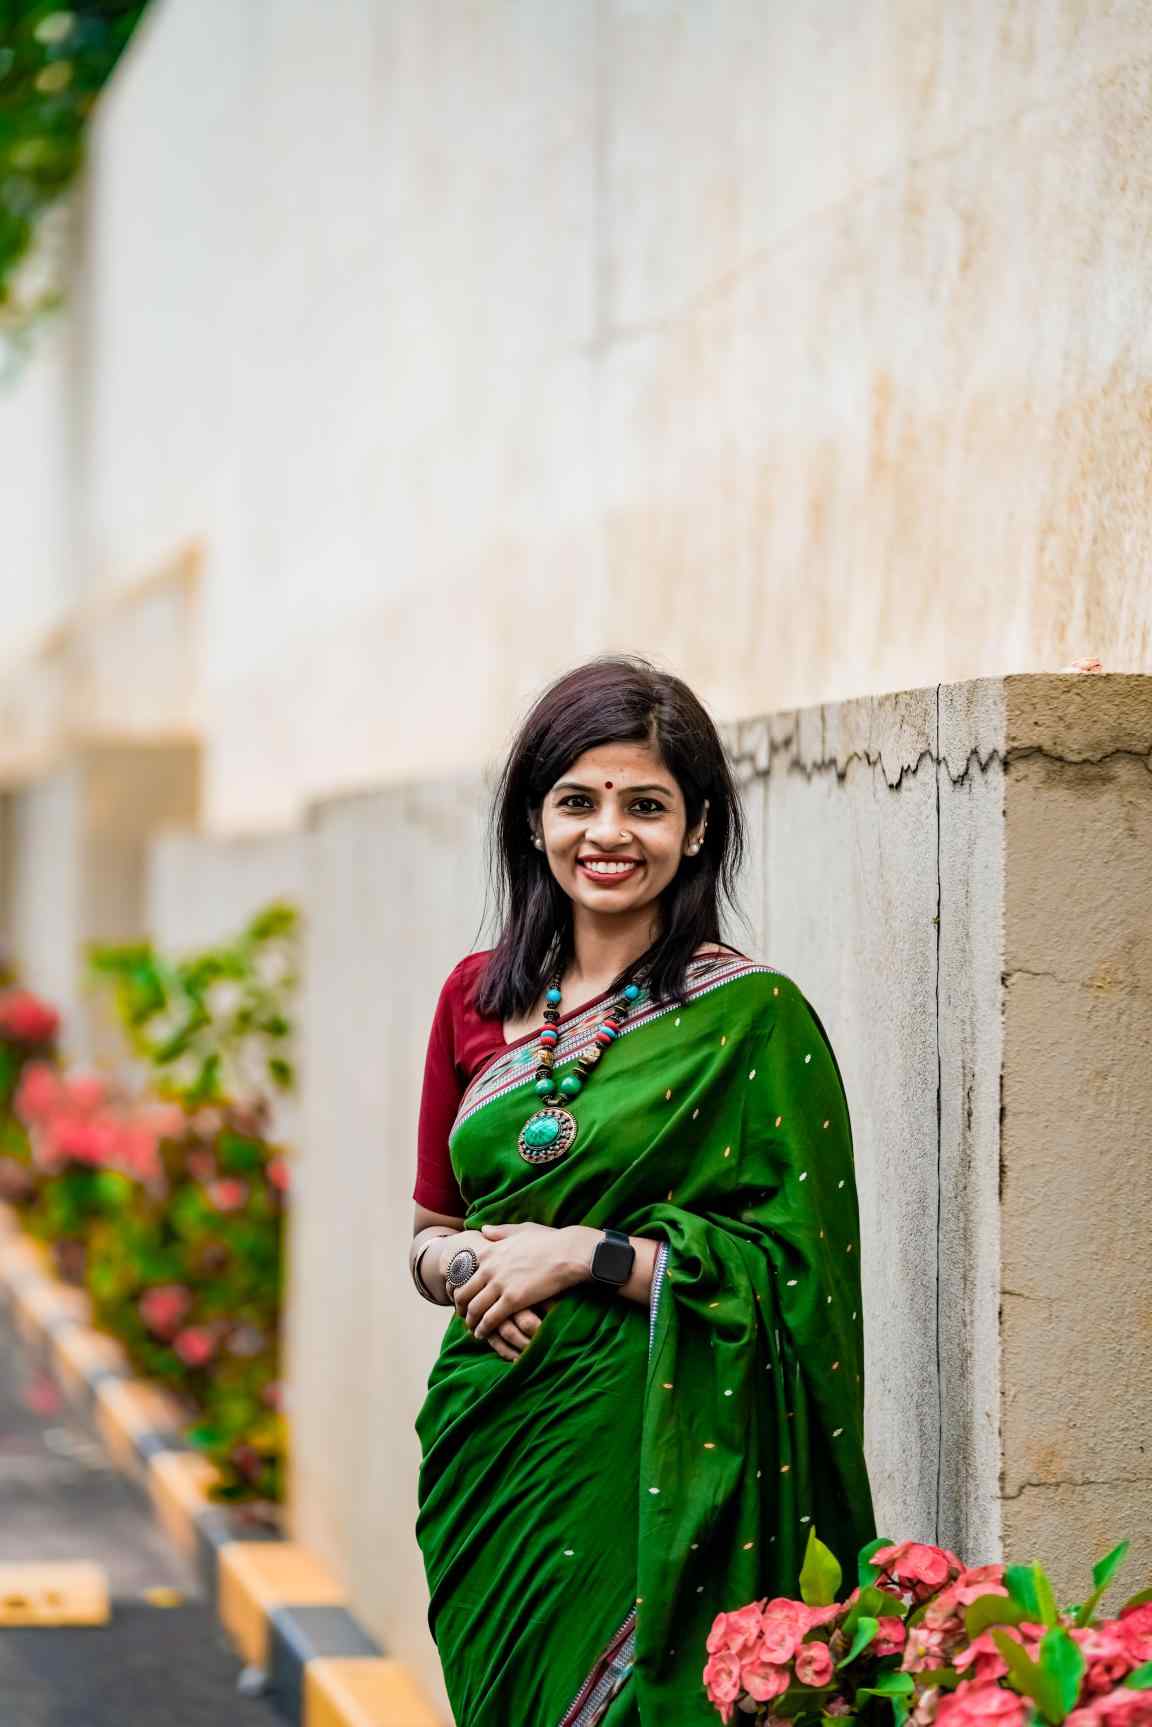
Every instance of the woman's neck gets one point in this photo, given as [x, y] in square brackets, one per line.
[604, 945]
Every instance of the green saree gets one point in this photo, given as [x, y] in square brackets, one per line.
[585, 1510]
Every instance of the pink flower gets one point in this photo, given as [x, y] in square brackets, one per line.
[783, 1627]
[946, 1609]
[763, 1679]
[25, 1019]
[738, 1632]
[164, 1120]
[978, 1704]
[922, 1649]
[722, 1681]
[1135, 1627]
[164, 1307]
[891, 1635]
[917, 1565]
[277, 1171]
[984, 1657]
[71, 1138]
[1111, 1650]
[84, 1093]
[38, 1093]
[814, 1663]
[1120, 1708]
[195, 1346]
[228, 1194]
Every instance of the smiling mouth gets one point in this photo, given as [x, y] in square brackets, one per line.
[612, 873]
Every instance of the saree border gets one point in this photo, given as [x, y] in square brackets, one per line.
[614, 1663]
[517, 1066]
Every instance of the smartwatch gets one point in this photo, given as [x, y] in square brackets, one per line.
[613, 1258]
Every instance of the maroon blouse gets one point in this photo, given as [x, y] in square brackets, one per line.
[460, 1043]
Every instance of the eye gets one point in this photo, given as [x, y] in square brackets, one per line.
[574, 798]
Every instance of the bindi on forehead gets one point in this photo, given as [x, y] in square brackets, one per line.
[607, 785]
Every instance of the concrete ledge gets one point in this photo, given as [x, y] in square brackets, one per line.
[281, 1608]
[256, 1578]
[362, 1692]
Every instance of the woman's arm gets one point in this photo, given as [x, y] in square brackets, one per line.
[428, 1225]
[581, 1245]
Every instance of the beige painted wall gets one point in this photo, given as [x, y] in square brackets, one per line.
[958, 877]
[804, 348]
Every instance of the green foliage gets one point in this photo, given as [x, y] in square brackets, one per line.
[55, 58]
[212, 1026]
[820, 1573]
[1102, 1574]
[1053, 1682]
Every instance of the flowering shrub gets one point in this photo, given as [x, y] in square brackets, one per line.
[90, 1145]
[939, 1643]
[28, 1031]
[186, 1270]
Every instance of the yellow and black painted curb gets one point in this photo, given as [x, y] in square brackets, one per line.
[285, 1614]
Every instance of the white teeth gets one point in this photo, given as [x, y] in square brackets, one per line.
[608, 868]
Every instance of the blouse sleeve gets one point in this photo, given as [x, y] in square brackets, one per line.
[436, 1186]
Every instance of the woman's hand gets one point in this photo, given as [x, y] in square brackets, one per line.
[513, 1335]
[521, 1265]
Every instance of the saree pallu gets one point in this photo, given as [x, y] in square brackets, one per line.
[585, 1510]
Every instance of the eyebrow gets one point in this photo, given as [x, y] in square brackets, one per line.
[575, 785]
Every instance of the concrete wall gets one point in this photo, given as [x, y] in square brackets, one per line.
[75, 869]
[439, 323]
[395, 899]
[958, 877]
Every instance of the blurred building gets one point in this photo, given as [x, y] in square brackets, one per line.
[413, 353]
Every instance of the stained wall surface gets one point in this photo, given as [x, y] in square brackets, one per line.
[803, 348]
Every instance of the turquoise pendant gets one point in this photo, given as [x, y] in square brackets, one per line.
[547, 1135]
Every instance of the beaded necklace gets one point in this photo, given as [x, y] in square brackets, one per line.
[549, 1133]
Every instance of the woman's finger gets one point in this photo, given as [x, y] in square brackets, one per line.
[515, 1334]
[478, 1308]
[527, 1320]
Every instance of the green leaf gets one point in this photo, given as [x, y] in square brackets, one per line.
[1045, 1598]
[865, 1570]
[889, 1685]
[866, 1629]
[1029, 1677]
[820, 1573]
[875, 1601]
[1063, 1660]
[1140, 1679]
[1020, 1582]
[989, 1610]
[1102, 1574]
[1140, 1599]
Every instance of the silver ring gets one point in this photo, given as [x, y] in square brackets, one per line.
[462, 1265]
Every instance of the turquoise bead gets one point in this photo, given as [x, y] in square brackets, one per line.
[631, 991]
[552, 997]
[571, 1087]
[544, 1088]
[540, 1134]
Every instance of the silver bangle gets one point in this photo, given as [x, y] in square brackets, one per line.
[419, 1281]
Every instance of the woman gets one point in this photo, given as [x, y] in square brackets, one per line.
[635, 1187]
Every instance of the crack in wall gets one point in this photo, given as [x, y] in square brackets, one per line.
[939, 1152]
[1080, 1481]
[749, 762]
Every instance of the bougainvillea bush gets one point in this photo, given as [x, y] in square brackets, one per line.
[29, 1027]
[90, 1145]
[924, 1640]
[186, 1270]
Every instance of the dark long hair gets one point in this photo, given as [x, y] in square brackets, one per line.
[615, 698]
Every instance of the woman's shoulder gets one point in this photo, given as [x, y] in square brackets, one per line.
[459, 987]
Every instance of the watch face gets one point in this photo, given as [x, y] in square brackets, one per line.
[612, 1261]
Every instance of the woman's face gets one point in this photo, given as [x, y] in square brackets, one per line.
[612, 788]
